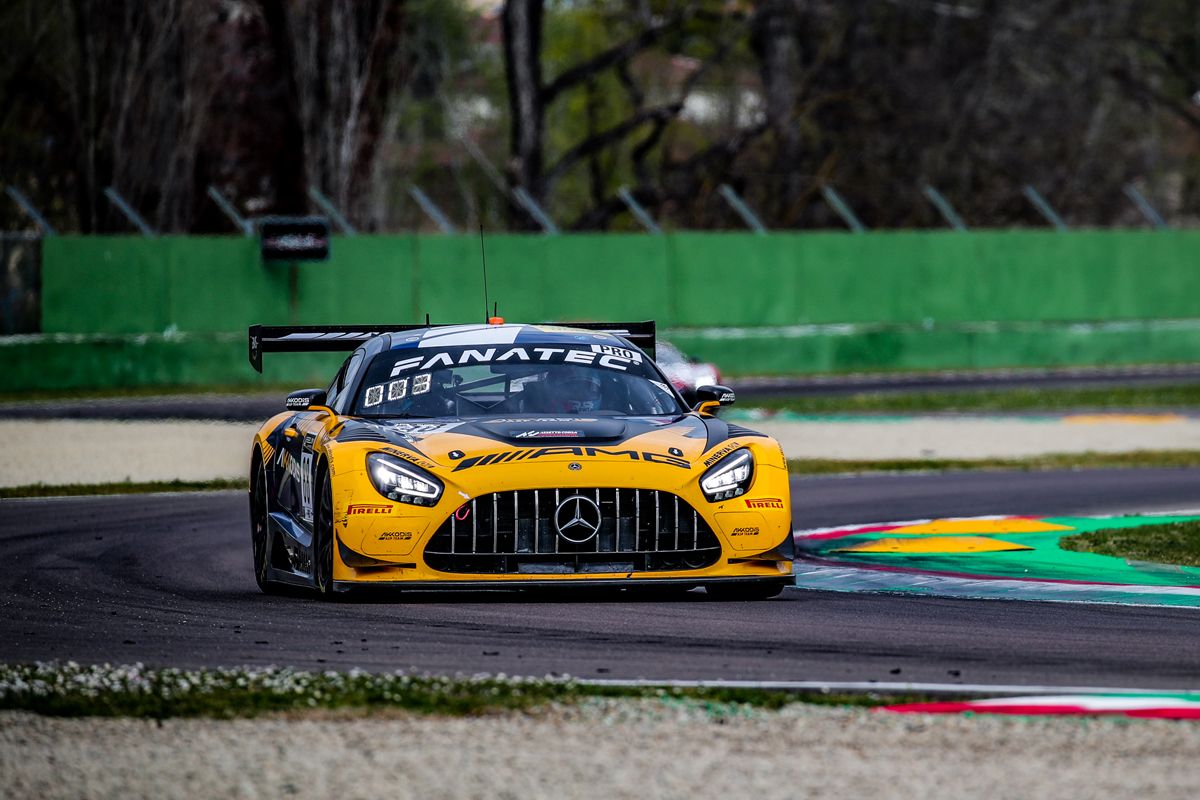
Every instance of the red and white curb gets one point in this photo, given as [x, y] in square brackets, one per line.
[1155, 707]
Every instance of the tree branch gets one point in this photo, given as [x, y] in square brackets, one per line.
[610, 136]
[616, 54]
[1146, 92]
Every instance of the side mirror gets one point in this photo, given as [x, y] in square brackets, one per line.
[305, 399]
[711, 398]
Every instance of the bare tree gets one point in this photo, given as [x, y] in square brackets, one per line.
[522, 32]
[775, 37]
[348, 72]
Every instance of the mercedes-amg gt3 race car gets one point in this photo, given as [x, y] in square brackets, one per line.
[510, 455]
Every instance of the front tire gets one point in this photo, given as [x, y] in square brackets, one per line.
[260, 529]
[323, 538]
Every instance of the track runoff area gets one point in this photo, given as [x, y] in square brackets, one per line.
[963, 592]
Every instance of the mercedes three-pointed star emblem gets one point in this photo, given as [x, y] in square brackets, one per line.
[577, 519]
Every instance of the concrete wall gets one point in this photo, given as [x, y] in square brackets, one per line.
[134, 311]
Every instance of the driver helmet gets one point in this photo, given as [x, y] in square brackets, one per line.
[578, 391]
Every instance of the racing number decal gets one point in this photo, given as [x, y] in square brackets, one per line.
[306, 477]
[306, 485]
[294, 466]
[396, 390]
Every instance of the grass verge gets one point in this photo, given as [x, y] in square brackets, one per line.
[135, 691]
[983, 400]
[126, 487]
[1175, 543]
[1137, 459]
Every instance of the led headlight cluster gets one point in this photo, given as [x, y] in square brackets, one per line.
[403, 482]
[730, 477]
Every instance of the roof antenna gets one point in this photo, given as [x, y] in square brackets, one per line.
[483, 258]
[426, 319]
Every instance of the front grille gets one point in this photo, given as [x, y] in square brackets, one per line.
[636, 530]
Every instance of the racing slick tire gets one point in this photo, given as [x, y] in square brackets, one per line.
[260, 531]
[748, 590]
[323, 538]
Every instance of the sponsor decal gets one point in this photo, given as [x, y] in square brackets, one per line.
[764, 502]
[292, 242]
[617, 358]
[511, 456]
[394, 536]
[411, 458]
[745, 531]
[549, 435]
[297, 402]
[538, 420]
[369, 508]
[300, 471]
[727, 397]
[419, 430]
[294, 239]
[619, 352]
[719, 454]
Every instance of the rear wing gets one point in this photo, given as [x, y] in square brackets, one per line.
[344, 338]
[637, 333]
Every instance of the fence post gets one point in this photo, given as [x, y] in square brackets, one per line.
[331, 211]
[228, 210]
[636, 208]
[130, 214]
[20, 199]
[535, 211]
[749, 217]
[842, 208]
[517, 193]
[431, 210]
[1148, 211]
[943, 206]
[1044, 207]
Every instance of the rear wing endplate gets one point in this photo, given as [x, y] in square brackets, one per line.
[313, 338]
[344, 338]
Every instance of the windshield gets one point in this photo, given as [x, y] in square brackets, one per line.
[501, 381]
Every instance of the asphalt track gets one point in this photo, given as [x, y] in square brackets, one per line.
[166, 580]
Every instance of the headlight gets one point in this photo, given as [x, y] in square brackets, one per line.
[396, 480]
[730, 476]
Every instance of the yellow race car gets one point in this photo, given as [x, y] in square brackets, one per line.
[501, 455]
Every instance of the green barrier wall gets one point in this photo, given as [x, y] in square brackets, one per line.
[120, 311]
